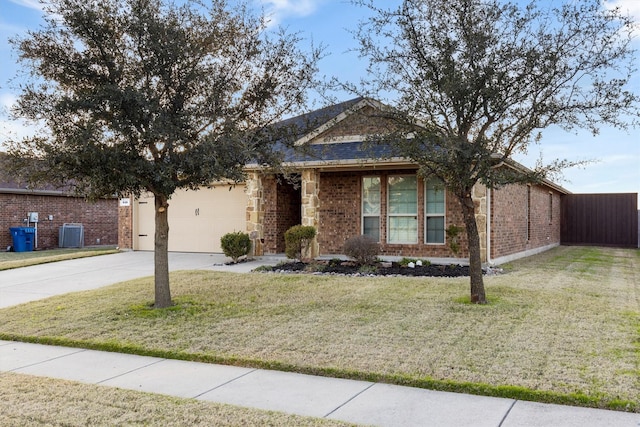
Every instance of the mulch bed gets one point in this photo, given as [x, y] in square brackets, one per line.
[349, 268]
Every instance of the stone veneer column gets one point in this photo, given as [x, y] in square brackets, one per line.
[125, 223]
[255, 212]
[310, 203]
[479, 196]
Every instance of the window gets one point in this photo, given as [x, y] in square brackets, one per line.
[371, 207]
[550, 208]
[434, 211]
[403, 209]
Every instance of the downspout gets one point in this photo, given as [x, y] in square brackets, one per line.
[489, 262]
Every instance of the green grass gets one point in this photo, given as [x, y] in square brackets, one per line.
[561, 327]
[9, 260]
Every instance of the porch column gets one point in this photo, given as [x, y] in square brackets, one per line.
[255, 212]
[479, 196]
[310, 203]
[125, 222]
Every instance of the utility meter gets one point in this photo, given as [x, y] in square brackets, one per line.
[33, 216]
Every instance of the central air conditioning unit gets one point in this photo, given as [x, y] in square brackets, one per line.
[71, 236]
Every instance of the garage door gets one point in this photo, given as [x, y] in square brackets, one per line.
[197, 219]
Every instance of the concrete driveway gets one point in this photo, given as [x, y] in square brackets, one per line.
[26, 284]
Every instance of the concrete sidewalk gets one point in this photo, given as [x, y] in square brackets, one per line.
[347, 400]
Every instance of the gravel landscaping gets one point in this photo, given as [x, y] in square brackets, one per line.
[349, 268]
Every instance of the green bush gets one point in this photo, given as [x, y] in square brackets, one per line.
[363, 249]
[235, 245]
[297, 240]
[452, 237]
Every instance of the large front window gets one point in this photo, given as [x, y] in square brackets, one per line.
[402, 209]
[434, 211]
[371, 207]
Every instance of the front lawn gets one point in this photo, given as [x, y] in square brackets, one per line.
[561, 327]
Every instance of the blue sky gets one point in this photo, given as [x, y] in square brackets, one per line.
[617, 152]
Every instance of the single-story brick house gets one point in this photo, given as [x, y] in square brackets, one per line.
[55, 207]
[344, 189]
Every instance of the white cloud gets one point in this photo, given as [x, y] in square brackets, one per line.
[6, 101]
[627, 7]
[632, 7]
[277, 10]
[13, 129]
[31, 4]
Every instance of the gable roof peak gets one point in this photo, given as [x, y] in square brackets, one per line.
[328, 117]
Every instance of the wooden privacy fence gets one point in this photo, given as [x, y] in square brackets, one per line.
[600, 219]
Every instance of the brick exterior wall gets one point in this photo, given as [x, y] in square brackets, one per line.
[100, 219]
[510, 219]
[340, 216]
[339, 210]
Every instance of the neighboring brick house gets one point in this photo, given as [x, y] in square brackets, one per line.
[55, 208]
[345, 190]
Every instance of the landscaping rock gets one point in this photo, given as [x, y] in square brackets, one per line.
[381, 269]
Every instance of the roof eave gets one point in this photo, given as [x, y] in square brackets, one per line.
[337, 164]
[521, 168]
[26, 191]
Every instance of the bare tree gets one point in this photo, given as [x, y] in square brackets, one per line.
[474, 81]
[150, 96]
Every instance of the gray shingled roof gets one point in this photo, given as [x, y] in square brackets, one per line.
[338, 152]
[12, 184]
[316, 118]
[333, 152]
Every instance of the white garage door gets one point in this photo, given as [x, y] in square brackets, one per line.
[197, 219]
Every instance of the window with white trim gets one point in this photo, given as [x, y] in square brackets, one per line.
[402, 208]
[371, 207]
[434, 211]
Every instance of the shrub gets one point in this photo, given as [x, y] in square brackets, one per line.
[235, 245]
[363, 249]
[368, 269]
[452, 237]
[405, 261]
[297, 240]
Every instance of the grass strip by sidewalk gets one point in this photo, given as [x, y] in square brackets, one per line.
[563, 327]
[9, 260]
[32, 401]
[505, 391]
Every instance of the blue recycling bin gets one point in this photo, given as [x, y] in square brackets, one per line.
[22, 238]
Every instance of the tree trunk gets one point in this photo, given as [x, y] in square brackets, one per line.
[475, 264]
[161, 254]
